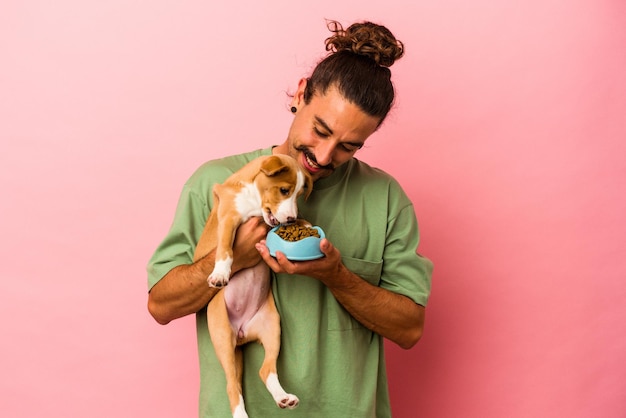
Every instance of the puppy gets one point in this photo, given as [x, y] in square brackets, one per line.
[244, 311]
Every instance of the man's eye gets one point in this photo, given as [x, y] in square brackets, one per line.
[350, 147]
[320, 134]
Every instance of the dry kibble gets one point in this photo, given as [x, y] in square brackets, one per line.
[296, 232]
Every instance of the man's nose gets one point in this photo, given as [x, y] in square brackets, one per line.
[324, 153]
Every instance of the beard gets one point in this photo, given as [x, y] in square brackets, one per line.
[309, 155]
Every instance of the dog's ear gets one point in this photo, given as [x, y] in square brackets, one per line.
[308, 182]
[272, 166]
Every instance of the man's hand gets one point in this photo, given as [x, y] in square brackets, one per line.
[322, 269]
[248, 235]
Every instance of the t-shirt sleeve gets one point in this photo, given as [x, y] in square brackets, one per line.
[405, 271]
[180, 242]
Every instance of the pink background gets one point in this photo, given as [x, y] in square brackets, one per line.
[509, 135]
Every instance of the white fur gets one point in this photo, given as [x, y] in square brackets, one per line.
[248, 201]
[282, 398]
[240, 410]
[300, 183]
[221, 273]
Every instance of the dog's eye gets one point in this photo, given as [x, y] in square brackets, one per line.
[284, 191]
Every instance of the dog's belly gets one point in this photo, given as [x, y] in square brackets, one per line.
[245, 295]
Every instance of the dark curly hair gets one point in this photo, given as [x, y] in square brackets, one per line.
[358, 66]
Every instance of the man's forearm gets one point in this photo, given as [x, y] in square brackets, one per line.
[394, 316]
[182, 291]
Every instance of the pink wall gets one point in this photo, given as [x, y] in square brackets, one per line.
[509, 135]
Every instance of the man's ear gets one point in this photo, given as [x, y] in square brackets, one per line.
[298, 98]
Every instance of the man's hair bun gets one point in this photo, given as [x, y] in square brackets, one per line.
[367, 39]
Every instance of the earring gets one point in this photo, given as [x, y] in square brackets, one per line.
[294, 109]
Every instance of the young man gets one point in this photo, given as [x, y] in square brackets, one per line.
[336, 310]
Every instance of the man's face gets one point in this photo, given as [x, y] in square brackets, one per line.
[326, 132]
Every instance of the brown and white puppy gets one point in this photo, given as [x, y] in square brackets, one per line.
[244, 311]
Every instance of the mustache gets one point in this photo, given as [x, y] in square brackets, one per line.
[311, 157]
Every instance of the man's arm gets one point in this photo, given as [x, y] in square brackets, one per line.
[394, 316]
[184, 289]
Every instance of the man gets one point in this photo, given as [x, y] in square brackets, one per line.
[370, 284]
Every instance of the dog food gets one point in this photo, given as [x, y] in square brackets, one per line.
[296, 232]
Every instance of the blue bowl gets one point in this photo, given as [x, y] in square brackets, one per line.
[302, 250]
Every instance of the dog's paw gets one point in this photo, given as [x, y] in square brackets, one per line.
[240, 412]
[220, 274]
[288, 401]
[217, 280]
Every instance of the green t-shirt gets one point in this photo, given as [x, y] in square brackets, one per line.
[332, 363]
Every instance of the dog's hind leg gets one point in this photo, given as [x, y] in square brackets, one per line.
[240, 409]
[269, 336]
[230, 357]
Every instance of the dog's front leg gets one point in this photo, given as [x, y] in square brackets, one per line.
[226, 229]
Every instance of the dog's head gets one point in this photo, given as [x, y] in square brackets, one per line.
[280, 181]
